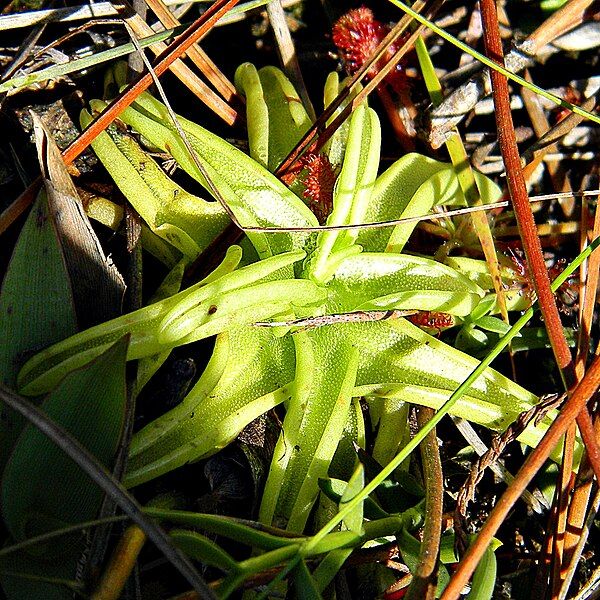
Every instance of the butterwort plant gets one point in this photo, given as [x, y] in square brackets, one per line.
[311, 319]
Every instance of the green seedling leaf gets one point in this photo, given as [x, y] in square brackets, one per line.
[304, 585]
[187, 222]
[410, 549]
[36, 306]
[229, 527]
[200, 548]
[44, 490]
[484, 577]
[276, 117]
[352, 190]
[256, 197]
[334, 488]
[170, 286]
[344, 459]
[333, 562]
[392, 419]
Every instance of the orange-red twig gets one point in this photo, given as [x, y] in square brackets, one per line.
[527, 227]
[573, 407]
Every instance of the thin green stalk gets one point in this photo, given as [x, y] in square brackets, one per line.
[457, 394]
[39, 539]
[492, 65]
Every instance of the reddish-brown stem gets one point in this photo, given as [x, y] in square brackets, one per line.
[527, 227]
[574, 406]
[424, 583]
[520, 199]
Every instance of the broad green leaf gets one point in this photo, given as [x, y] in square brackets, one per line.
[314, 421]
[42, 486]
[303, 583]
[394, 194]
[236, 387]
[383, 281]
[187, 222]
[410, 549]
[484, 577]
[44, 490]
[256, 197]
[275, 114]
[144, 326]
[36, 306]
[148, 366]
[399, 360]
[200, 548]
[333, 562]
[344, 459]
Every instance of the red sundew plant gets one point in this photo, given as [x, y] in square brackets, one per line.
[357, 35]
[318, 184]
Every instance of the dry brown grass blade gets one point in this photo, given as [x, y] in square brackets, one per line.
[574, 406]
[203, 92]
[287, 53]
[541, 126]
[210, 70]
[534, 155]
